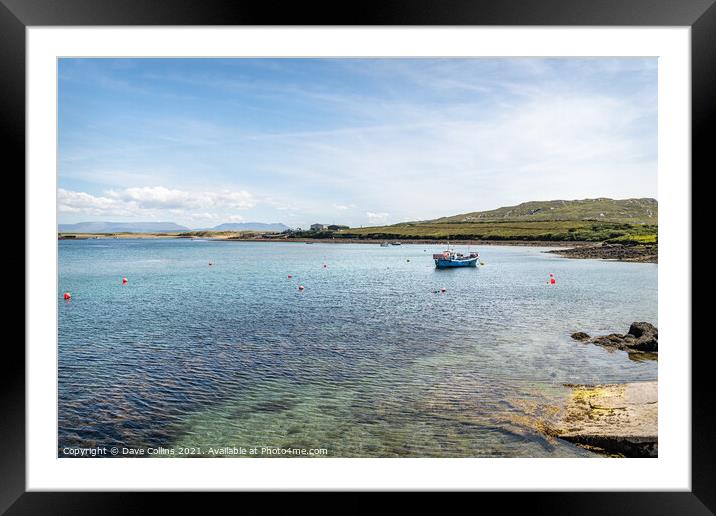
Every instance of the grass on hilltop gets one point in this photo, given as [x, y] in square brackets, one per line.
[556, 231]
[630, 211]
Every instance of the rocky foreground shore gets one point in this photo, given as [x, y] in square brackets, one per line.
[618, 252]
[616, 420]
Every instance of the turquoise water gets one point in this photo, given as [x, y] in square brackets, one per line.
[367, 361]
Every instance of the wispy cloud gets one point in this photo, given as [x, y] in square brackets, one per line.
[165, 198]
[352, 141]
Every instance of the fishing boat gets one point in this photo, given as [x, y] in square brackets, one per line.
[395, 243]
[451, 258]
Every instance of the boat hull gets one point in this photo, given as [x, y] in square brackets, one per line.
[448, 263]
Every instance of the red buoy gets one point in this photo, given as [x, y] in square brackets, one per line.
[67, 295]
[289, 276]
[300, 287]
[552, 281]
[124, 281]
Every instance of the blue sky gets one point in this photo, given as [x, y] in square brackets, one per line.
[348, 141]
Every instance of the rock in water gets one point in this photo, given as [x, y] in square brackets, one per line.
[640, 328]
[642, 338]
[647, 336]
[648, 343]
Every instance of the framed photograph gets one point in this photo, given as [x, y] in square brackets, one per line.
[423, 249]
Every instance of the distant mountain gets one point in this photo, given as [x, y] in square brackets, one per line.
[250, 226]
[633, 211]
[121, 227]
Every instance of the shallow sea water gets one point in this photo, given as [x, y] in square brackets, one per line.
[367, 361]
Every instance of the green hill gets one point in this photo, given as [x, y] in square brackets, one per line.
[627, 221]
[633, 211]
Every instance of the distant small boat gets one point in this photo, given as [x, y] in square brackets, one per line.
[450, 258]
[384, 244]
[395, 243]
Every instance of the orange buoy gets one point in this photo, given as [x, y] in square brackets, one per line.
[67, 295]
[124, 281]
[300, 287]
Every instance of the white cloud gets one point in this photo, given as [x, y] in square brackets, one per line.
[161, 197]
[84, 203]
[471, 135]
[375, 218]
[427, 162]
[157, 201]
[439, 161]
[343, 207]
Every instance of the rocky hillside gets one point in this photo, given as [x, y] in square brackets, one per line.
[632, 211]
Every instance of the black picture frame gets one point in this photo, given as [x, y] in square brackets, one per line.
[17, 15]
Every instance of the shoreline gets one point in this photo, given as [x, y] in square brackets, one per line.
[524, 243]
[572, 249]
[612, 252]
[165, 236]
